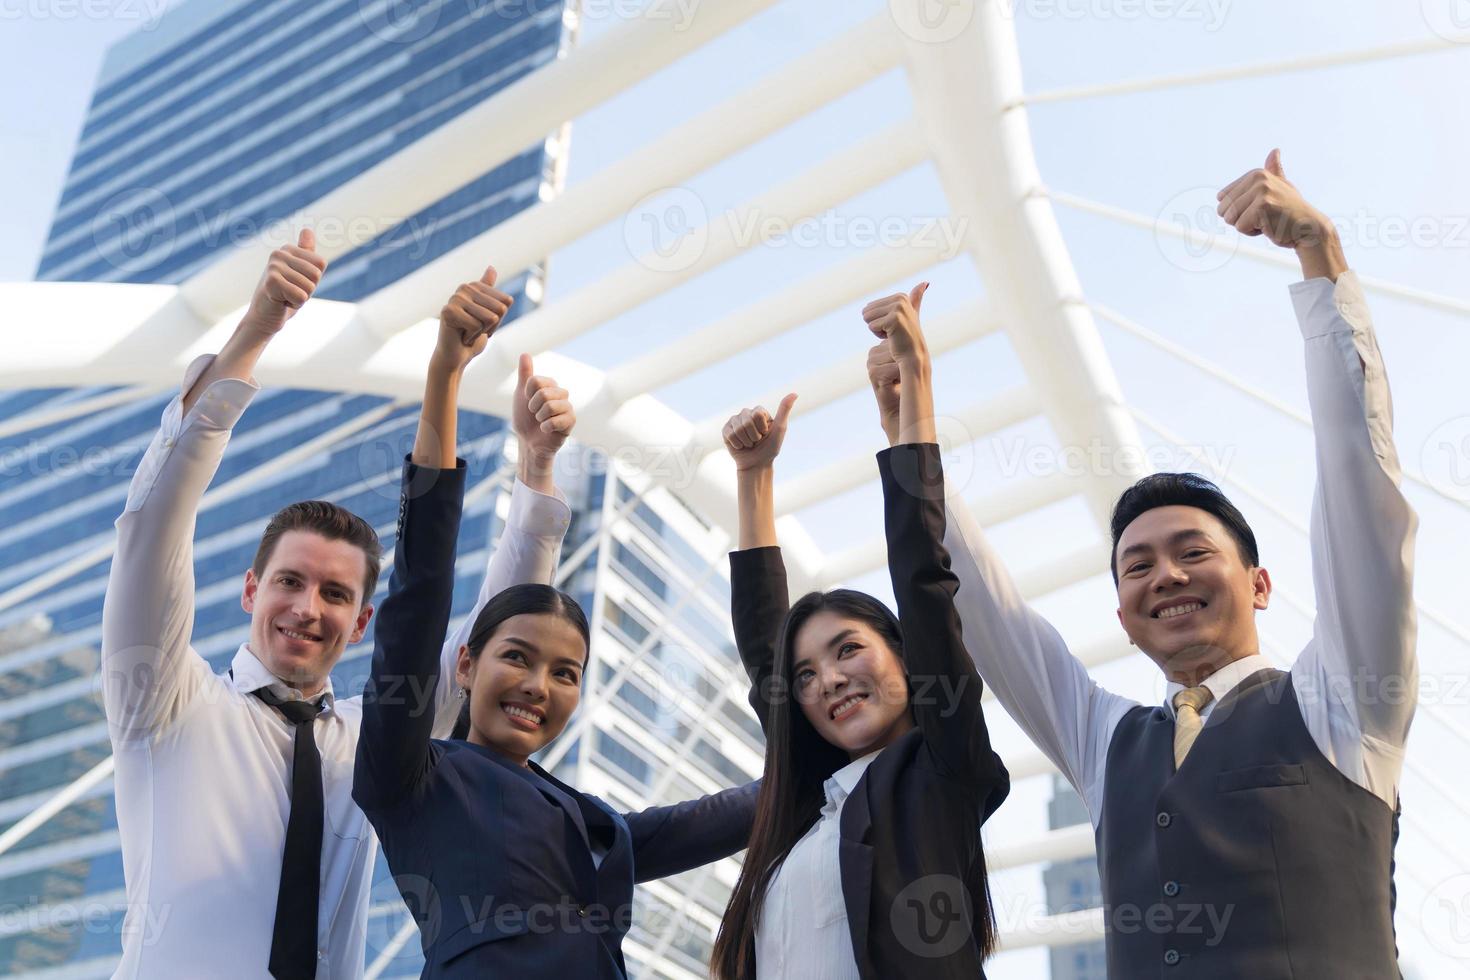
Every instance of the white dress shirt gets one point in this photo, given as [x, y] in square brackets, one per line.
[803, 929]
[203, 768]
[1357, 678]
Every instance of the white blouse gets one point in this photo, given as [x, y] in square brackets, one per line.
[803, 925]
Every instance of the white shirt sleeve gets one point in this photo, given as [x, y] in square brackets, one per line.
[1357, 680]
[529, 550]
[149, 670]
[1026, 663]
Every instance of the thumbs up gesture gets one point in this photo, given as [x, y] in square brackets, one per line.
[1264, 202]
[542, 414]
[291, 276]
[896, 319]
[753, 436]
[468, 320]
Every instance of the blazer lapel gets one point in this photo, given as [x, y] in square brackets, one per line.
[563, 796]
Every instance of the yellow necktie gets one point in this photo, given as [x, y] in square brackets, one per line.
[1187, 722]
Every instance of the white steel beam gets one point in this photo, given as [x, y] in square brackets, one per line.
[988, 169]
[1266, 69]
[848, 375]
[493, 131]
[812, 487]
[824, 185]
[522, 240]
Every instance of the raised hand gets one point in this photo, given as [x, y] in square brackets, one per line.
[899, 367]
[896, 319]
[884, 376]
[291, 275]
[753, 436]
[542, 414]
[1264, 202]
[468, 320]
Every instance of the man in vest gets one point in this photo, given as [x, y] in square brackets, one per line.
[1245, 827]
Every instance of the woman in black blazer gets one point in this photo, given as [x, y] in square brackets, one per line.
[508, 871]
[865, 861]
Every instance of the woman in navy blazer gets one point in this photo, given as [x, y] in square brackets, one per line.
[508, 871]
[866, 860]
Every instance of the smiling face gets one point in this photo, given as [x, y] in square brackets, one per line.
[849, 683]
[524, 684]
[306, 606]
[1185, 595]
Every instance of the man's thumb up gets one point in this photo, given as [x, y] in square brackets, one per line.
[1273, 164]
[306, 240]
[526, 369]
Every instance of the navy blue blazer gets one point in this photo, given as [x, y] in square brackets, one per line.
[495, 860]
[909, 849]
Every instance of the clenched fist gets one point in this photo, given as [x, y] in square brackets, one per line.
[291, 276]
[885, 377]
[896, 319]
[542, 414]
[468, 320]
[1264, 202]
[753, 437]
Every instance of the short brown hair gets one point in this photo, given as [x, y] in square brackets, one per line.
[331, 522]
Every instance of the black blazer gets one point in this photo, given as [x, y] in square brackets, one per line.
[910, 853]
[495, 861]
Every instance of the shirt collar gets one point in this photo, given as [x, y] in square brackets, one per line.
[1224, 680]
[251, 675]
[842, 782]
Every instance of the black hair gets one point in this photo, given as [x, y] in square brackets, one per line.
[519, 600]
[1182, 490]
[798, 762]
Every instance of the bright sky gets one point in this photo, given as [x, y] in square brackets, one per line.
[1381, 147]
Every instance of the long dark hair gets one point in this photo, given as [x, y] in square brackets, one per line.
[798, 762]
[518, 600]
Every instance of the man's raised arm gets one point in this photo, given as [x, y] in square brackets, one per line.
[149, 670]
[1358, 676]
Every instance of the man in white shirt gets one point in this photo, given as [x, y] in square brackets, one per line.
[211, 767]
[1246, 826]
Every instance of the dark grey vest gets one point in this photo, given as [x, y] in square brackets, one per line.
[1257, 859]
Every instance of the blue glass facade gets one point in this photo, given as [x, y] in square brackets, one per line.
[1072, 886]
[185, 155]
[233, 116]
[199, 141]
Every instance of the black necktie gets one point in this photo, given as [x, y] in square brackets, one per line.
[293, 940]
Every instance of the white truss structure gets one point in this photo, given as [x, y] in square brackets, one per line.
[970, 122]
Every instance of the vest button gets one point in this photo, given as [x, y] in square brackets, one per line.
[1171, 888]
[582, 912]
[1171, 956]
[1163, 820]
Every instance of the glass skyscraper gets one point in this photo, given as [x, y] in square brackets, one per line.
[226, 119]
[1072, 886]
